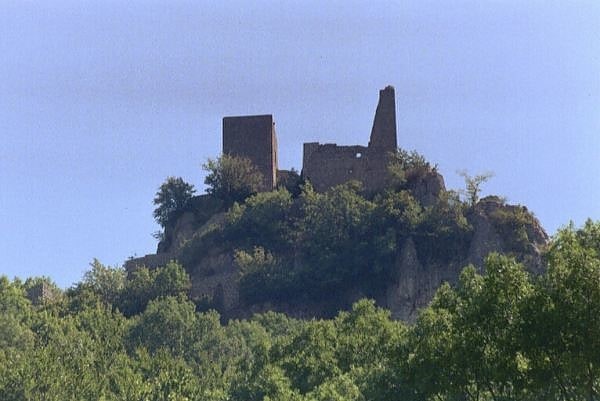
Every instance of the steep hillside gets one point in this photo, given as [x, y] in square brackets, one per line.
[312, 254]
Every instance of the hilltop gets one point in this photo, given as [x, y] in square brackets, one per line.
[359, 221]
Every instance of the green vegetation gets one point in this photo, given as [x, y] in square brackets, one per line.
[504, 335]
[513, 223]
[321, 242]
[405, 165]
[232, 179]
[172, 199]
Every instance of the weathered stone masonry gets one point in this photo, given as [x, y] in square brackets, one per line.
[324, 165]
[253, 137]
[329, 165]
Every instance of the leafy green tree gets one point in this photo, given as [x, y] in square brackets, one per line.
[263, 277]
[338, 388]
[367, 335]
[105, 281]
[15, 318]
[400, 210]
[443, 232]
[13, 300]
[232, 179]
[248, 345]
[490, 327]
[310, 359]
[215, 357]
[370, 348]
[172, 199]
[168, 378]
[173, 315]
[342, 240]
[63, 364]
[564, 338]
[145, 284]
[265, 219]
[270, 383]
[429, 366]
[473, 336]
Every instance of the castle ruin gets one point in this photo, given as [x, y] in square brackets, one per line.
[323, 165]
[216, 277]
[253, 137]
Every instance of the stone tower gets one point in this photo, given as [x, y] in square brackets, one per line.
[253, 137]
[383, 133]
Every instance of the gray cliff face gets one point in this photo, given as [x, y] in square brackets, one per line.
[426, 188]
[415, 279]
[404, 295]
[414, 284]
[485, 239]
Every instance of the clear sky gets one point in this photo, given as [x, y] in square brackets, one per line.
[100, 101]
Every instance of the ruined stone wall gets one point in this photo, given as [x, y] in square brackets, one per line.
[253, 137]
[329, 165]
[151, 261]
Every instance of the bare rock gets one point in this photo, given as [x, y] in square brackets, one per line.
[426, 188]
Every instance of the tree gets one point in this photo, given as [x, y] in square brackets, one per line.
[232, 179]
[263, 220]
[173, 315]
[172, 198]
[342, 239]
[564, 333]
[145, 285]
[105, 281]
[473, 184]
[309, 358]
[15, 311]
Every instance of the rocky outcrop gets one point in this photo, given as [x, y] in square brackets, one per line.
[181, 232]
[509, 229]
[426, 187]
[151, 261]
[485, 238]
[414, 285]
[497, 227]
[403, 292]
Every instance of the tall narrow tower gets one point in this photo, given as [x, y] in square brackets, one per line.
[383, 133]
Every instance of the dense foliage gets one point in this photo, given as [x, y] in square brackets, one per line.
[232, 178]
[171, 200]
[320, 242]
[503, 335]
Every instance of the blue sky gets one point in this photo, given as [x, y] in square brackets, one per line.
[101, 101]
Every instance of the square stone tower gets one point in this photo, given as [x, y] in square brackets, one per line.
[253, 137]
